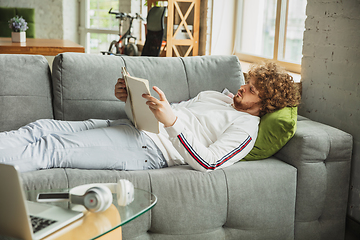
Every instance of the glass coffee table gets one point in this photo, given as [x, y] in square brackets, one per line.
[101, 225]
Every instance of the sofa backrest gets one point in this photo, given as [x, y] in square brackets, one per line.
[84, 84]
[25, 90]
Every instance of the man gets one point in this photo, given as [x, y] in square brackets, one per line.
[212, 130]
[207, 132]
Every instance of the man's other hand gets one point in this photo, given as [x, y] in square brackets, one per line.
[120, 90]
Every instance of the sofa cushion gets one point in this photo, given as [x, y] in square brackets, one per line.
[87, 90]
[25, 90]
[261, 200]
[213, 73]
[161, 72]
[275, 130]
[204, 196]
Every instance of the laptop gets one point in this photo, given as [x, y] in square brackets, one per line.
[23, 219]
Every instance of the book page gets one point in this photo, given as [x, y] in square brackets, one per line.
[128, 103]
[137, 110]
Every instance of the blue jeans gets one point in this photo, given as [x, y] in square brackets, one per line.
[91, 144]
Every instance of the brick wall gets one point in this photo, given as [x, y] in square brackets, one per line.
[331, 75]
[54, 19]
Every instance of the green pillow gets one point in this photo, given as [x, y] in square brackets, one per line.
[275, 130]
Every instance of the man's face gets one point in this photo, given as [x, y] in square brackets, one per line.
[247, 98]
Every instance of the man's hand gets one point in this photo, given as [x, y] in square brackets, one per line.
[161, 108]
[120, 90]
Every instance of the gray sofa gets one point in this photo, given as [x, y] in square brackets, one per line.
[299, 193]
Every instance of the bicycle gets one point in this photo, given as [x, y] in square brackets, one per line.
[123, 45]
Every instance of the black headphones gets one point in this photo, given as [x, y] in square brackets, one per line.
[95, 197]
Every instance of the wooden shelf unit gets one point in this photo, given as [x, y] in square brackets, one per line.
[186, 15]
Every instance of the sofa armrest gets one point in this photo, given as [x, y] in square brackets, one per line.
[322, 156]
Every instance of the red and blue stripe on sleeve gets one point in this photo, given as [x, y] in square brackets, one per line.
[218, 163]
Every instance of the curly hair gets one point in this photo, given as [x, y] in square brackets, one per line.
[276, 87]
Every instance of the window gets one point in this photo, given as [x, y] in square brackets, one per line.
[98, 28]
[271, 29]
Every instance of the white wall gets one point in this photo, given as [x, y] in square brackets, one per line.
[331, 75]
[71, 20]
[223, 26]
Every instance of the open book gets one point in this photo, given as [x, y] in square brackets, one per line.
[135, 107]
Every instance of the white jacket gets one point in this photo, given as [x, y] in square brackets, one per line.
[208, 134]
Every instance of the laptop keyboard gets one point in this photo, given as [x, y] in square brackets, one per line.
[40, 223]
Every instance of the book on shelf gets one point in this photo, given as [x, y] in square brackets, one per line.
[135, 106]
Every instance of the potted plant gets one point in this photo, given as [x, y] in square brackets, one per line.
[18, 25]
